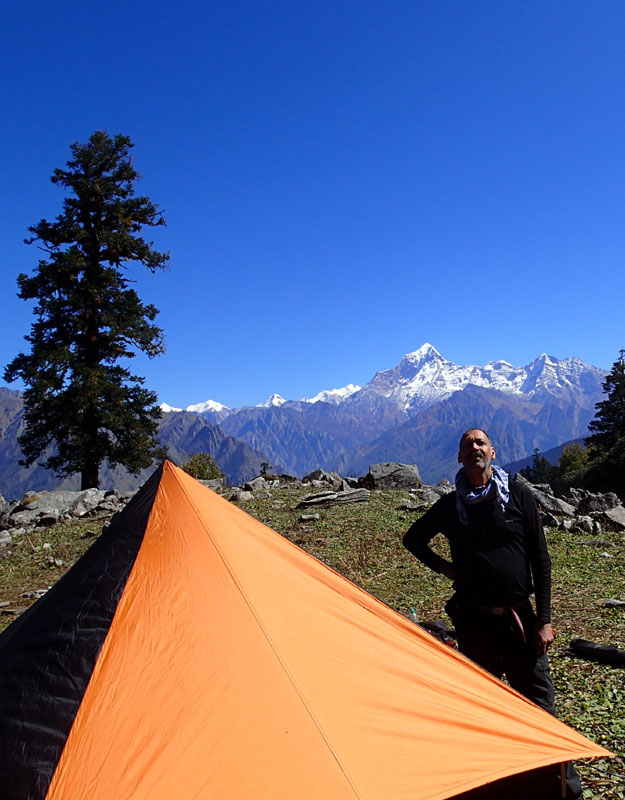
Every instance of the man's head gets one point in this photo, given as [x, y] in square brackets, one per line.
[475, 453]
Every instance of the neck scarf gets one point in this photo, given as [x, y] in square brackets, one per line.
[467, 495]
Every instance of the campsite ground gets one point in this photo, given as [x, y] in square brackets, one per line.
[363, 542]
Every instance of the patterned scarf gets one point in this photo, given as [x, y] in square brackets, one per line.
[467, 495]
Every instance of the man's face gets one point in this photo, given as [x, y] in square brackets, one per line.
[476, 451]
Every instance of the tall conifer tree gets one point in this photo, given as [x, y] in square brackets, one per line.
[82, 406]
[606, 446]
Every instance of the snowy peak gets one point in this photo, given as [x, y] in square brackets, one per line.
[165, 408]
[273, 401]
[334, 396]
[424, 377]
[206, 406]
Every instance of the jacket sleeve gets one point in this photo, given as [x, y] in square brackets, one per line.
[538, 556]
[421, 532]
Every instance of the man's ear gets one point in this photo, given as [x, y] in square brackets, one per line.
[492, 453]
[459, 461]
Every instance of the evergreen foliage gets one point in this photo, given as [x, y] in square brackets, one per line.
[606, 445]
[571, 468]
[81, 406]
[203, 467]
[541, 471]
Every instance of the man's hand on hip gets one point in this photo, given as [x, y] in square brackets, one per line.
[543, 637]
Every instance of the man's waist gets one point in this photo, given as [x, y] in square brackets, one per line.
[498, 611]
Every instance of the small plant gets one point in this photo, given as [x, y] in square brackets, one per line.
[202, 467]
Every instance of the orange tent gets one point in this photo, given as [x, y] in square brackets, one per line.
[194, 653]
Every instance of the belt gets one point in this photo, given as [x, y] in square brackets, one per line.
[499, 610]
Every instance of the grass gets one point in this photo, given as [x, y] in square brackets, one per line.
[363, 542]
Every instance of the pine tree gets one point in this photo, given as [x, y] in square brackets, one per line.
[609, 421]
[606, 445]
[81, 406]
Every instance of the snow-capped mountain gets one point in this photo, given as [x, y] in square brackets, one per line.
[424, 377]
[208, 405]
[273, 401]
[334, 396]
[413, 412]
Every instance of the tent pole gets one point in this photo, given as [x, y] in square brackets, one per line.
[562, 779]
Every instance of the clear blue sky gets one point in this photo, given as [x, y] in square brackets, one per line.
[342, 181]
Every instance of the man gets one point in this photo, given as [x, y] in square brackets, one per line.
[499, 558]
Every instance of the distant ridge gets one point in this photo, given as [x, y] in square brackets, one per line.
[412, 412]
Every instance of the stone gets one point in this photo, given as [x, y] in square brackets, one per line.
[598, 502]
[547, 502]
[86, 502]
[611, 518]
[585, 524]
[309, 517]
[333, 478]
[214, 483]
[549, 520]
[256, 485]
[242, 497]
[5, 539]
[611, 603]
[324, 498]
[393, 475]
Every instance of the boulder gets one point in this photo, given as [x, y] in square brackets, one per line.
[325, 498]
[332, 478]
[611, 518]
[587, 525]
[549, 503]
[257, 485]
[214, 483]
[598, 502]
[549, 520]
[392, 475]
[426, 495]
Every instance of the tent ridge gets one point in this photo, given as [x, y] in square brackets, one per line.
[276, 652]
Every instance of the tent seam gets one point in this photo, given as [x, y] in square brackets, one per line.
[276, 653]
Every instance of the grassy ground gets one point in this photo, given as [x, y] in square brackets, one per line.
[363, 542]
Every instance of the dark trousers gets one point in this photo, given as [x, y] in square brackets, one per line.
[504, 645]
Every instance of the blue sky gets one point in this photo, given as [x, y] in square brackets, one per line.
[342, 181]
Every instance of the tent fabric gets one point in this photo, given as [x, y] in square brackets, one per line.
[236, 666]
[47, 655]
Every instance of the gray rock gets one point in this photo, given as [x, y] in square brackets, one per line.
[598, 502]
[5, 539]
[325, 498]
[85, 502]
[549, 520]
[566, 524]
[332, 478]
[574, 496]
[585, 524]
[392, 475]
[214, 483]
[547, 502]
[611, 518]
[241, 496]
[614, 603]
[309, 517]
[256, 485]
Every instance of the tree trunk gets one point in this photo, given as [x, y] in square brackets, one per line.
[89, 477]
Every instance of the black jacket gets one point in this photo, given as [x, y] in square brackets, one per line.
[500, 557]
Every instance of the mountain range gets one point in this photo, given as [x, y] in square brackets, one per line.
[413, 413]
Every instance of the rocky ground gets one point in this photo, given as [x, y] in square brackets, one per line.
[355, 526]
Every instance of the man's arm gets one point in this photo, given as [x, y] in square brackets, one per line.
[540, 563]
[421, 532]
